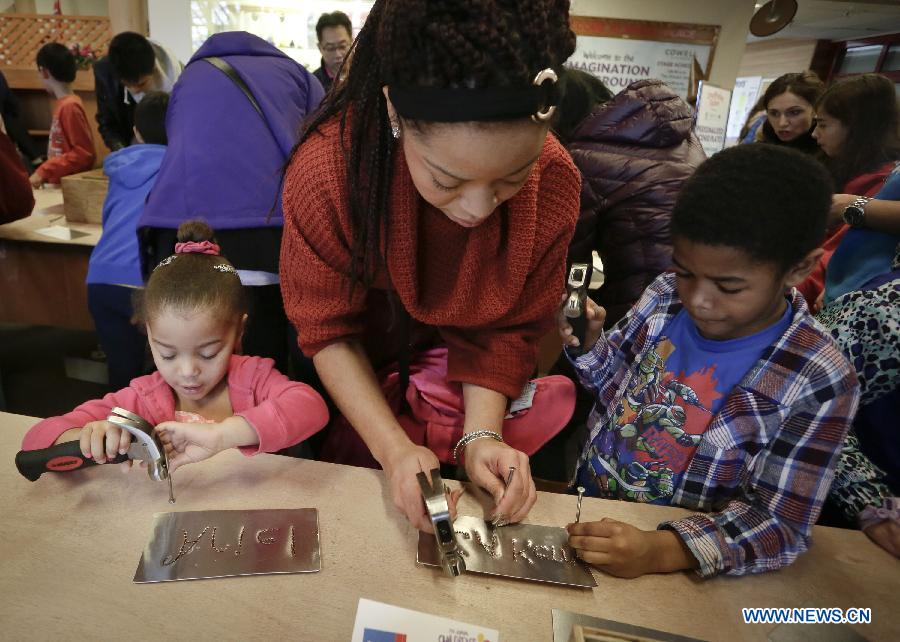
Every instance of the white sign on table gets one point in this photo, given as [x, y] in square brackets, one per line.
[711, 117]
[379, 622]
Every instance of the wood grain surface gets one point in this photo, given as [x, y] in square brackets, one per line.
[69, 546]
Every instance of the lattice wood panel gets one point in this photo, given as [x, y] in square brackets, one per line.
[22, 35]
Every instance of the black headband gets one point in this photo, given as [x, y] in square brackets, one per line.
[455, 105]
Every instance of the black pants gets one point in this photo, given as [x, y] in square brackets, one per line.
[124, 344]
[268, 332]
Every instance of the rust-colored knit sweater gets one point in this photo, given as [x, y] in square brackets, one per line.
[491, 290]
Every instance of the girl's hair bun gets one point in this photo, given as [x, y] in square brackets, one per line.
[196, 231]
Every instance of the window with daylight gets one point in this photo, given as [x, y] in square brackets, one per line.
[289, 25]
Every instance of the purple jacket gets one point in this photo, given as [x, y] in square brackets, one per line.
[224, 161]
[634, 153]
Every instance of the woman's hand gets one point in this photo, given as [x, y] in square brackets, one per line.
[189, 443]
[401, 468]
[623, 550]
[488, 464]
[595, 316]
[101, 440]
[887, 535]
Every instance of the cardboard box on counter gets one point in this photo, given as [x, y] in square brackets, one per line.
[83, 196]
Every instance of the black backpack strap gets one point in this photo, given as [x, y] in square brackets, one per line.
[225, 67]
[228, 70]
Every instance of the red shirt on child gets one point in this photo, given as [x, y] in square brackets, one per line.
[71, 146]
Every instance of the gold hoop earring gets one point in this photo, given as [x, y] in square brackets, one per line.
[546, 113]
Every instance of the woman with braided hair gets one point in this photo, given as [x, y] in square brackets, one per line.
[426, 204]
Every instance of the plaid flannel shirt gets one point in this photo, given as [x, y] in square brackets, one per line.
[765, 464]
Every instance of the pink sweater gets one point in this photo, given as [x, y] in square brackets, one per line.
[281, 411]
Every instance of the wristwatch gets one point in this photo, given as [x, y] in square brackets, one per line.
[855, 214]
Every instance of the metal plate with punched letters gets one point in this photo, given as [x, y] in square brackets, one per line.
[524, 551]
[224, 543]
[592, 629]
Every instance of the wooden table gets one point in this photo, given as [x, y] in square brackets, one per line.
[41, 277]
[69, 546]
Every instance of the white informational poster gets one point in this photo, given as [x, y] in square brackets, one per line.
[746, 92]
[711, 117]
[379, 622]
[618, 62]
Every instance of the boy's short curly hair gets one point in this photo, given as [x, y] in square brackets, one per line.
[769, 201]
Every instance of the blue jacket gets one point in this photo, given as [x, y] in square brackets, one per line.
[224, 161]
[863, 254]
[132, 172]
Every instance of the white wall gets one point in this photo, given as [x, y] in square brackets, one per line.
[732, 16]
[771, 58]
[170, 25]
[74, 7]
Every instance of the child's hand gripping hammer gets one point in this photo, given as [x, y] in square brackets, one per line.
[575, 307]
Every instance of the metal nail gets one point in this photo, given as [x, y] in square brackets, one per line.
[512, 471]
[580, 490]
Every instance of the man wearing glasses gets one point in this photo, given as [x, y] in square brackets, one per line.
[335, 34]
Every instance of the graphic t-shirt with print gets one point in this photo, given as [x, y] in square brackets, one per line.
[70, 148]
[676, 390]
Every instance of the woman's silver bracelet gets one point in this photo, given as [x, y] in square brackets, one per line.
[472, 436]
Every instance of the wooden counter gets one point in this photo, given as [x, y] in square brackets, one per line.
[70, 544]
[41, 277]
[48, 210]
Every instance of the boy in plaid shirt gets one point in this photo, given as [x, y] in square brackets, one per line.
[718, 392]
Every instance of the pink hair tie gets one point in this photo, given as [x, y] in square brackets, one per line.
[192, 247]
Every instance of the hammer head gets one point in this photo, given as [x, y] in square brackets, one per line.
[146, 445]
[438, 509]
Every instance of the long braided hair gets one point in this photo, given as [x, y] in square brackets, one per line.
[427, 43]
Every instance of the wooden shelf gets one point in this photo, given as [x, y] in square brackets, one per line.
[21, 78]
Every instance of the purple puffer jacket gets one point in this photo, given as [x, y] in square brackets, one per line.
[634, 153]
[224, 160]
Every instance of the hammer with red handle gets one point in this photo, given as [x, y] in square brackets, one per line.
[67, 456]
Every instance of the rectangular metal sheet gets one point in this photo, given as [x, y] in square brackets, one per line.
[524, 551]
[564, 623]
[224, 543]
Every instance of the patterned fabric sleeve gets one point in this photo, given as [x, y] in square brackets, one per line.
[857, 481]
[866, 326]
[602, 368]
[769, 524]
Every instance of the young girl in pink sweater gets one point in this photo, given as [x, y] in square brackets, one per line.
[203, 397]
